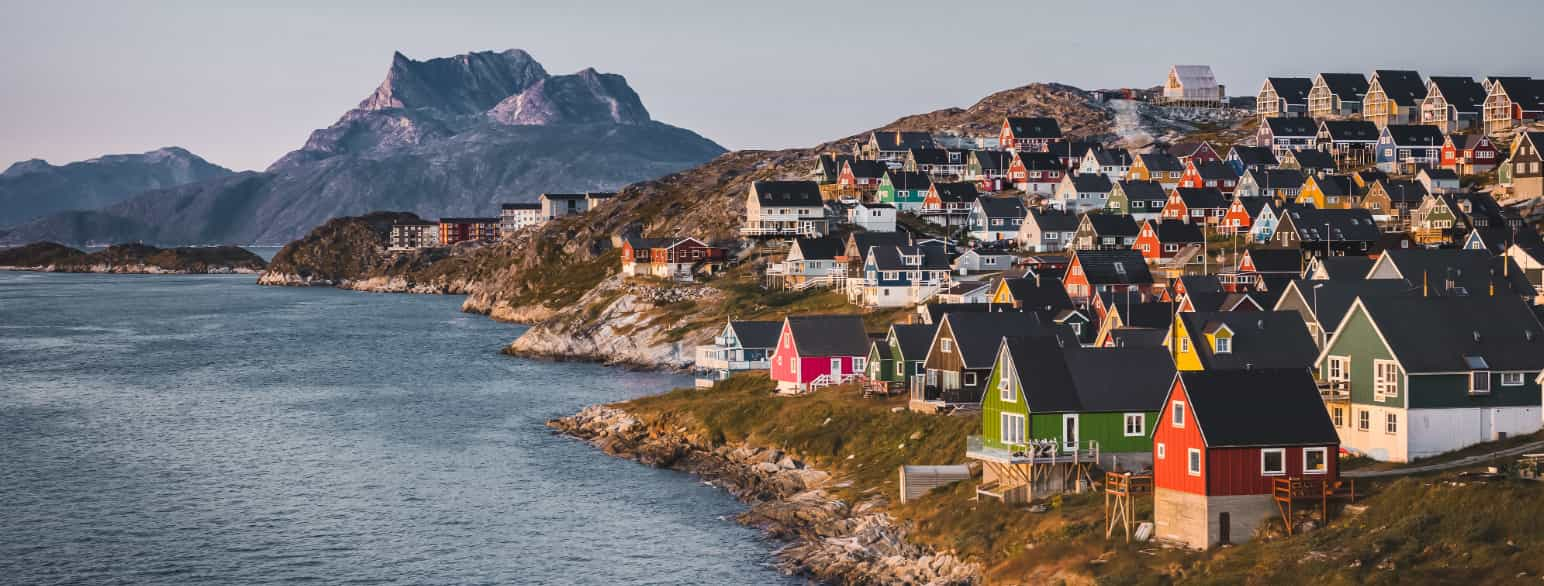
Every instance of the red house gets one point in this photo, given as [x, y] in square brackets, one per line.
[1028, 134]
[1214, 174]
[1032, 172]
[1160, 240]
[815, 351]
[1223, 439]
[1240, 214]
[861, 174]
[1469, 154]
[1091, 272]
[1196, 205]
[1198, 152]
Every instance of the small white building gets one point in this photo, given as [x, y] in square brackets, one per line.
[1192, 86]
[516, 216]
[976, 261]
[409, 235]
[874, 217]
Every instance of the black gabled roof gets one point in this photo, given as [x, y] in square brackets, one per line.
[899, 140]
[1252, 156]
[1146, 314]
[867, 169]
[1172, 231]
[788, 193]
[929, 156]
[1414, 134]
[1439, 173]
[1313, 159]
[757, 334]
[1002, 207]
[1085, 380]
[1344, 225]
[1201, 284]
[1113, 157]
[1402, 87]
[1353, 130]
[1156, 161]
[891, 258]
[1408, 191]
[1202, 197]
[1143, 190]
[829, 335]
[1276, 260]
[1111, 224]
[1091, 182]
[1461, 93]
[937, 311]
[1345, 268]
[641, 243]
[1137, 337]
[1292, 89]
[822, 248]
[977, 335]
[1439, 334]
[1261, 339]
[1039, 127]
[914, 339]
[1218, 169]
[992, 159]
[1053, 221]
[832, 162]
[1258, 408]
[863, 241]
[1281, 127]
[1278, 178]
[1336, 185]
[1040, 161]
[1100, 266]
[909, 180]
[1187, 148]
[1473, 270]
[959, 191]
[1350, 87]
[1335, 296]
[1039, 293]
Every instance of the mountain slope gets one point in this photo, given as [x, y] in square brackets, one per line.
[30, 189]
[443, 137]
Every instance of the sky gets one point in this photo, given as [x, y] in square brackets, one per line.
[241, 84]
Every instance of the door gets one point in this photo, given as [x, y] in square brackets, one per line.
[1224, 528]
[1070, 432]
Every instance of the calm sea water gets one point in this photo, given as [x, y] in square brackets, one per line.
[201, 429]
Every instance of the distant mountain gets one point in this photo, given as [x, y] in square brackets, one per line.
[31, 189]
[445, 137]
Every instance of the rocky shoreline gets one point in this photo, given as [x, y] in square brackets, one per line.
[141, 259]
[829, 540]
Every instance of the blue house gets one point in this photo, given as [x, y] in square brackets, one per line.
[1402, 148]
[897, 276]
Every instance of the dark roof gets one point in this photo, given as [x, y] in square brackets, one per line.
[1202, 197]
[1439, 334]
[641, 243]
[867, 169]
[1186, 149]
[1053, 221]
[1336, 185]
[1414, 134]
[1039, 293]
[897, 140]
[891, 258]
[1076, 379]
[1111, 224]
[933, 156]
[1217, 169]
[1402, 87]
[992, 159]
[520, 206]
[1292, 89]
[1346, 268]
[822, 248]
[1261, 339]
[1147, 314]
[863, 241]
[1473, 270]
[1281, 127]
[562, 196]
[829, 335]
[1201, 284]
[1034, 127]
[909, 180]
[1408, 191]
[1091, 182]
[1461, 93]
[914, 339]
[1040, 161]
[1355, 130]
[937, 311]
[1313, 159]
[1143, 190]
[1276, 260]
[1350, 87]
[757, 334]
[977, 335]
[1525, 92]
[1245, 408]
[1002, 207]
[960, 191]
[1353, 225]
[1136, 338]
[1335, 297]
[1278, 178]
[1173, 231]
[1113, 157]
[1161, 162]
[1440, 173]
[1114, 267]
[1252, 156]
[788, 193]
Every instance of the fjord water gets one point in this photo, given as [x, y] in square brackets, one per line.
[202, 429]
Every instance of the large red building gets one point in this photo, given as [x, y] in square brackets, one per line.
[1223, 439]
[454, 230]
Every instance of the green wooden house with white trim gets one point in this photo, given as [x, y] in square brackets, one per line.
[905, 190]
[1047, 403]
[897, 359]
[1407, 377]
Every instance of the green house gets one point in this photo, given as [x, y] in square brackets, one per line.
[897, 360]
[904, 189]
[1100, 402]
[1409, 377]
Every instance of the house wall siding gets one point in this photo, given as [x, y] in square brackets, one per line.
[1170, 471]
[1435, 431]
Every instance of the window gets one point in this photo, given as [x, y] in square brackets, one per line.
[1184, 344]
[1390, 423]
[1223, 345]
[1315, 460]
[1339, 415]
[1195, 462]
[1005, 385]
[1339, 368]
[1012, 432]
[1178, 416]
[1385, 380]
[1479, 382]
[946, 345]
[900, 368]
[1136, 425]
[970, 379]
[1511, 379]
[857, 363]
[1273, 462]
[1161, 451]
[1363, 420]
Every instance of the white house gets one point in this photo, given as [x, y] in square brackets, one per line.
[996, 218]
[785, 209]
[1047, 230]
[1082, 192]
[874, 217]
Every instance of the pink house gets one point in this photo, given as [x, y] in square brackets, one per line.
[814, 351]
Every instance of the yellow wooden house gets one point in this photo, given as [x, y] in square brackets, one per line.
[1328, 192]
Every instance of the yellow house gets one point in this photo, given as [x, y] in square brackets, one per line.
[1240, 340]
[1161, 167]
[1186, 356]
[1328, 192]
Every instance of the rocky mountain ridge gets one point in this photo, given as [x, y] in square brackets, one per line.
[130, 258]
[34, 188]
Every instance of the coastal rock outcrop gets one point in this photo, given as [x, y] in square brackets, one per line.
[131, 258]
[622, 323]
[829, 539]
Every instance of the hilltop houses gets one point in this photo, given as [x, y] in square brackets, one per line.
[785, 209]
[1283, 97]
[1028, 134]
[458, 230]
[818, 351]
[1337, 95]
[411, 235]
[1192, 86]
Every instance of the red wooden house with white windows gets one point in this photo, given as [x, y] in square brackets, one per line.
[1028, 134]
[1222, 441]
[1212, 174]
[1162, 240]
[815, 351]
[1091, 272]
[861, 174]
[1198, 152]
[1469, 154]
[1196, 205]
[1033, 172]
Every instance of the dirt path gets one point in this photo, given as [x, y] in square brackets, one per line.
[1459, 463]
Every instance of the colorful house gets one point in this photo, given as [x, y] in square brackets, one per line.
[903, 349]
[1046, 406]
[1164, 168]
[1394, 97]
[1453, 104]
[1241, 340]
[1328, 192]
[1416, 376]
[1142, 200]
[1327, 232]
[1283, 135]
[1028, 134]
[1527, 176]
[1092, 272]
[1511, 103]
[1241, 214]
[890, 146]
[962, 352]
[1211, 174]
[1196, 205]
[1244, 158]
[1404, 148]
[1469, 154]
[739, 347]
[1336, 95]
[1283, 97]
[949, 204]
[897, 276]
[1276, 184]
[906, 190]
[1104, 232]
[1223, 440]
[1163, 240]
[1032, 293]
[1349, 142]
[815, 351]
[1194, 152]
[1036, 172]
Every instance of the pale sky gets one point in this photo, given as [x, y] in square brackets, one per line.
[242, 84]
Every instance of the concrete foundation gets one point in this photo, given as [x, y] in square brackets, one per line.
[1196, 520]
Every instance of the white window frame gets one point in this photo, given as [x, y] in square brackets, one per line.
[969, 379]
[858, 363]
[1012, 422]
[1161, 451]
[1324, 456]
[1193, 461]
[1184, 344]
[1363, 420]
[1222, 345]
[946, 346]
[1282, 457]
[1391, 423]
[1512, 379]
[1340, 363]
[836, 367]
[1477, 375]
[1177, 414]
[1141, 424]
[1338, 414]
[1385, 379]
